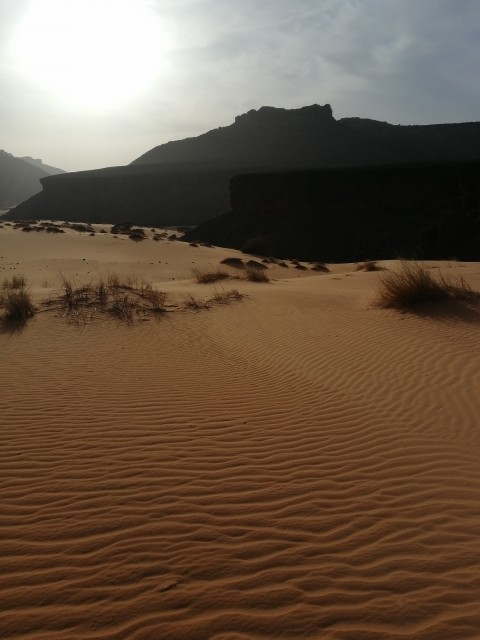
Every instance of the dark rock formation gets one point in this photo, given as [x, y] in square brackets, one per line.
[186, 182]
[341, 215]
[19, 180]
[146, 195]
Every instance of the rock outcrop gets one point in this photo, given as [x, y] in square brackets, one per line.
[342, 215]
[186, 182]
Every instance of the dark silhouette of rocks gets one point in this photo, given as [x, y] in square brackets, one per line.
[52, 171]
[19, 180]
[187, 181]
[428, 210]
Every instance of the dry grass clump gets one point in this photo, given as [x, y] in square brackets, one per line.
[219, 297]
[18, 305]
[15, 282]
[15, 300]
[369, 265]
[252, 274]
[124, 300]
[414, 284]
[320, 266]
[225, 297]
[209, 276]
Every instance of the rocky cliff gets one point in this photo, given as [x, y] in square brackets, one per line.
[340, 215]
[186, 181]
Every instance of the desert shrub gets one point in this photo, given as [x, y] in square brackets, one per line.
[196, 304]
[413, 283]
[253, 274]
[369, 265]
[18, 305]
[233, 262]
[137, 237]
[225, 297]
[117, 298]
[209, 276]
[320, 266]
[15, 282]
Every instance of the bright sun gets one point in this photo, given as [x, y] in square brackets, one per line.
[90, 54]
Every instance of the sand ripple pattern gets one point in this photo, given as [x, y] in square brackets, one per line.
[269, 470]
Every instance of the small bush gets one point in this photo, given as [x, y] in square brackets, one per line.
[207, 277]
[16, 282]
[253, 274]
[370, 265]
[225, 297]
[195, 304]
[414, 284]
[121, 299]
[18, 305]
[320, 266]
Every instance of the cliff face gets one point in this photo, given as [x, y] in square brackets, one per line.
[342, 215]
[186, 182]
[151, 196]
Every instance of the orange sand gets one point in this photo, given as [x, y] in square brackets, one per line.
[296, 465]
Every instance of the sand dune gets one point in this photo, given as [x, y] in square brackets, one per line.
[299, 464]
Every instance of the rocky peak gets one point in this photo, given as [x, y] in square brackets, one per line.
[273, 115]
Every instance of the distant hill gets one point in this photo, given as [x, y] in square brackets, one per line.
[45, 167]
[310, 137]
[187, 181]
[19, 180]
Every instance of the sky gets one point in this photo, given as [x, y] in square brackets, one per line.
[93, 83]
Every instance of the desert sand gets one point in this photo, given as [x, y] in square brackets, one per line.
[297, 464]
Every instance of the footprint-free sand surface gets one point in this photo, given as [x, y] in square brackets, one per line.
[298, 464]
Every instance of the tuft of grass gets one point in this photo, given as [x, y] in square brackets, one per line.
[209, 276]
[15, 282]
[117, 298]
[252, 274]
[195, 304]
[414, 283]
[18, 305]
[369, 265]
[320, 266]
[225, 297]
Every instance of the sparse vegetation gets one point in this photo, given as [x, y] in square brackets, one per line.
[219, 297]
[413, 283]
[320, 266]
[18, 305]
[121, 299]
[15, 282]
[369, 265]
[225, 297]
[209, 276]
[252, 274]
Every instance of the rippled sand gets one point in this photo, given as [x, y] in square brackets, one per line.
[296, 465]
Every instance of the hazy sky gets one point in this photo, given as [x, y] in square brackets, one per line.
[92, 83]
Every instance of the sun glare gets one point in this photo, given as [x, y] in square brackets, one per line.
[90, 54]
